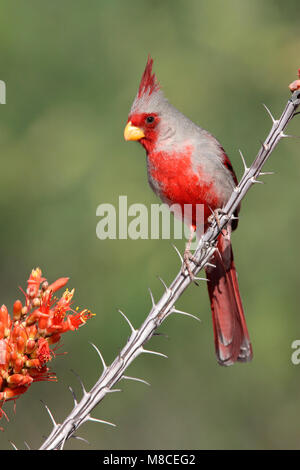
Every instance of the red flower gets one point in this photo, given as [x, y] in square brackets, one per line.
[34, 282]
[25, 340]
[43, 352]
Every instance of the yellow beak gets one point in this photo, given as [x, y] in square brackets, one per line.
[132, 132]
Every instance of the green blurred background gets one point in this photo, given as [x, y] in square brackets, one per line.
[72, 69]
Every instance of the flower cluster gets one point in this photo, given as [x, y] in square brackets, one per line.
[25, 339]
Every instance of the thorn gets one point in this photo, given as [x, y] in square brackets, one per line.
[148, 351]
[243, 160]
[295, 114]
[27, 445]
[201, 279]
[96, 420]
[270, 114]
[254, 180]
[210, 265]
[80, 381]
[130, 325]
[163, 283]
[80, 439]
[50, 414]
[288, 135]
[14, 445]
[266, 146]
[174, 310]
[126, 377]
[73, 394]
[178, 252]
[152, 298]
[263, 173]
[226, 216]
[100, 355]
[213, 213]
[109, 390]
[160, 334]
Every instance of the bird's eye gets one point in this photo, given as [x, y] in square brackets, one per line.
[149, 119]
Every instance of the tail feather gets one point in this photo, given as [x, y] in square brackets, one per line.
[232, 341]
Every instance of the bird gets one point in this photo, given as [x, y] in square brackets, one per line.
[187, 165]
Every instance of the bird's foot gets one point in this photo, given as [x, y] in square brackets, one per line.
[188, 258]
[215, 216]
[187, 255]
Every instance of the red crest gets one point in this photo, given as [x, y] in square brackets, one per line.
[149, 82]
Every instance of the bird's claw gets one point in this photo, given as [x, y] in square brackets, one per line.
[215, 216]
[187, 258]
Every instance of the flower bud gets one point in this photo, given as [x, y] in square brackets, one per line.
[30, 346]
[17, 310]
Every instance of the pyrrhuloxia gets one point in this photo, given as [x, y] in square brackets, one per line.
[187, 165]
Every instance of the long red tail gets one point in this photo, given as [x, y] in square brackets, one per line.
[232, 341]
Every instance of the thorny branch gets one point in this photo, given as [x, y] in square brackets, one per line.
[114, 373]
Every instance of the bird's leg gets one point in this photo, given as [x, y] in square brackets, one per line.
[187, 255]
[215, 216]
